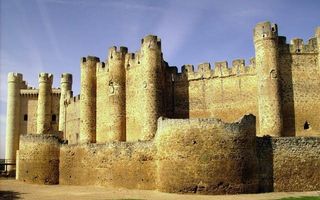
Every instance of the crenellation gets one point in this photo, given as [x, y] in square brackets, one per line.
[151, 41]
[221, 69]
[102, 68]
[136, 112]
[14, 77]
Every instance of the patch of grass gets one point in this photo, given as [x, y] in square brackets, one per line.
[302, 198]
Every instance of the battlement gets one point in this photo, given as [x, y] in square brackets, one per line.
[24, 85]
[220, 70]
[72, 100]
[132, 59]
[29, 92]
[101, 67]
[14, 77]
[151, 42]
[297, 45]
[45, 77]
[265, 30]
[89, 59]
[66, 78]
[114, 54]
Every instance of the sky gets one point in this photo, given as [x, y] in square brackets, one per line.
[52, 35]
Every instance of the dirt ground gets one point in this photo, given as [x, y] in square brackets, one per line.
[12, 189]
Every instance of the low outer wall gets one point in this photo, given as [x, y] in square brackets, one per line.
[39, 159]
[289, 163]
[207, 156]
[118, 164]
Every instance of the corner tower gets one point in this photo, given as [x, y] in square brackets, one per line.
[269, 98]
[88, 100]
[44, 103]
[66, 87]
[151, 59]
[13, 116]
[111, 97]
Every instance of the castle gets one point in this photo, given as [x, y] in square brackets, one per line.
[138, 123]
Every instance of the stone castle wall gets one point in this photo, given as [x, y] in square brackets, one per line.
[39, 159]
[288, 164]
[72, 132]
[205, 156]
[140, 124]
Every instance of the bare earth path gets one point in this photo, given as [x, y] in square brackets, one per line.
[12, 189]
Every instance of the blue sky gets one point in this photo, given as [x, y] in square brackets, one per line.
[52, 35]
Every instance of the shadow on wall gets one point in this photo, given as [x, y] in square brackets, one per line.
[286, 84]
[9, 195]
[180, 97]
[265, 164]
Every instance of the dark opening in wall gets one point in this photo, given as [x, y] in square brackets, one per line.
[54, 118]
[306, 126]
[25, 117]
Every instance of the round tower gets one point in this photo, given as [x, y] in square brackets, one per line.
[44, 103]
[269, 99]
[151, 60]
[66, 86]
[13, 116]
[111, 115]
[88, 100]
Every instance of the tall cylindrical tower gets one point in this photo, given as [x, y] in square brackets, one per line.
[88, 100]
[151, 60]
[111, 115]
[66, 87]
[13, 116]
[44, 103]
[269, 97]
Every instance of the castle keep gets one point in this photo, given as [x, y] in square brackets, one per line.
[138, 123]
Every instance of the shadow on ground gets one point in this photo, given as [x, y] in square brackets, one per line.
[301, 198]
[9, 195]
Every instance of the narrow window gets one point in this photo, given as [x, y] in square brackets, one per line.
[54, 118]
[25, 117]
[306, 125]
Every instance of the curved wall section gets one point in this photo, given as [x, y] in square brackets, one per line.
[39, 159]
[206, 156]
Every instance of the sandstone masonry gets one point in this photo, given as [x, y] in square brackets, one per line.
[138, 123]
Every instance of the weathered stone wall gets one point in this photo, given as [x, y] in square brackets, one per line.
[289, 163]
[300, 80]
[212, 93]
[206, 156]
[119, 164]
[39, 159]
[29, 102]
[72, 132]
[28, 110]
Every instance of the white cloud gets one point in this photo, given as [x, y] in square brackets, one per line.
[177, 25]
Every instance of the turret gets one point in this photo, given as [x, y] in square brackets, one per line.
[13, 116]
[88, 100]
[111, 98]
[44, 103]
[150, 87]
[269, 98]
[66, 87]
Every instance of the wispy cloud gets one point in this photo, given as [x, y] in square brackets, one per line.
[177, 25]
[49, 30]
